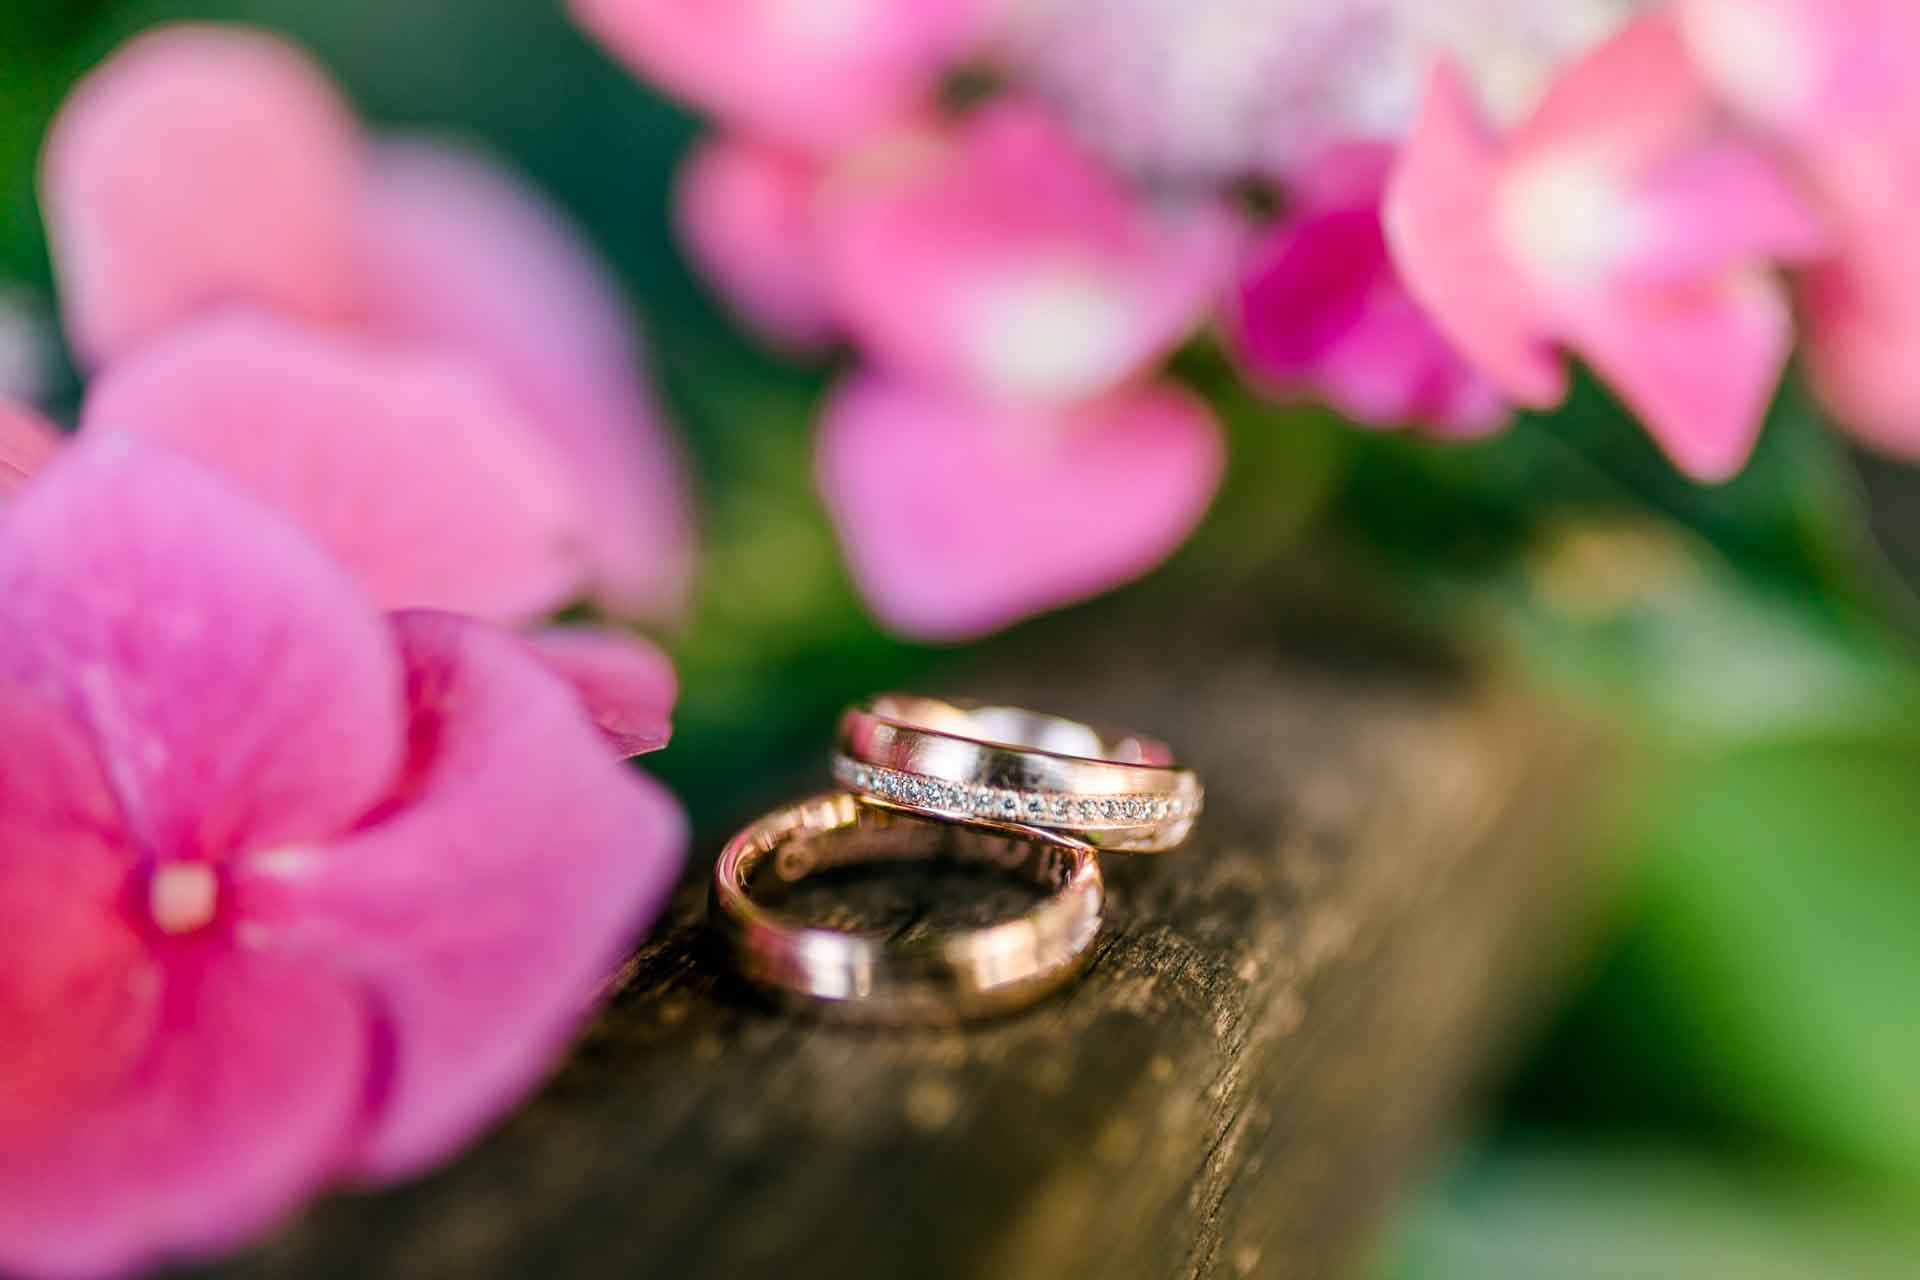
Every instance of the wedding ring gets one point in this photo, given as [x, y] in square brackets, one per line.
[968, 763]
[875, 976]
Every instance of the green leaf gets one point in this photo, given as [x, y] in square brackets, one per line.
[1793, 520]
[1533, 1209]
[1765, 990]
[1784, 888]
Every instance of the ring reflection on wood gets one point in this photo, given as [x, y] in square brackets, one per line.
[876, 975]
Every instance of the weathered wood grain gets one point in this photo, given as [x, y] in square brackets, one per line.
[1279, 1019]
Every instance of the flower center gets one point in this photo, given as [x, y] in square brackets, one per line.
[1570, 219]
[1048, 332]
[182, 896]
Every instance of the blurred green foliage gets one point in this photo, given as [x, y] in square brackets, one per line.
[1753, 1013]
[1550, 1206]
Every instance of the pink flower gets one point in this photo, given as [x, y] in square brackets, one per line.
[959, 518]
[1833, 81]
[811, 72]
[202, 172]
[1621, 222]
[289, 893]
[746, 213]
[27, 443]
[1322, 312]
[1000, 261]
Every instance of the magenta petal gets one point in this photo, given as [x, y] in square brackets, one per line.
[1862, 318]
[414, 471]
[1441, 227]
[239, 688]
[71, 967]
[1698, 364]
[809, 72]
[486, 909]
[1305, 291]
[27, 443]
[746, 214]
[249, 1083]
[456, 255]
[1320, 311]
[626, 682]
[1004, 262]
[959, 518]
[199, 165]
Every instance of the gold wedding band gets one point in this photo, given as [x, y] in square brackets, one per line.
[870, 976]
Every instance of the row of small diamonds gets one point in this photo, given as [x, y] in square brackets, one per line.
[1039, 807]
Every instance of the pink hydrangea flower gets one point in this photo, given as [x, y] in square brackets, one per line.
[289, 892]
[1000, 261]
[959, 518]
[1321, 312]
[1621, 221]
[808, 72]
[746, 213]
[27, 443]
[1833, 81]
[202, 172]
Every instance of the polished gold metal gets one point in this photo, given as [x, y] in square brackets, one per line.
[872, 976]
[963, 762]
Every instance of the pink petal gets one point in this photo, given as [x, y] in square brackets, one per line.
[1321, 312]
[459, 256]
[1698, 364]
[415, 472]
[1857, 137]
[813, 73]
[240, 690]
[1810, 70]
[1862, 318]
[27, 443]
[960, 518]
[1005, 263]
[746, 214]
[249, 1079]
[1721, 206]
[1637, 94]
[626, 682]
[1441, 228]
[199, 165]
[486, 909]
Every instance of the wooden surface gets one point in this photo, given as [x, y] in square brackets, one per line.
[1280, 1019]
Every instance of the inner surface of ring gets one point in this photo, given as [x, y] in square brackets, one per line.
[881, 839]
[1021, 729]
